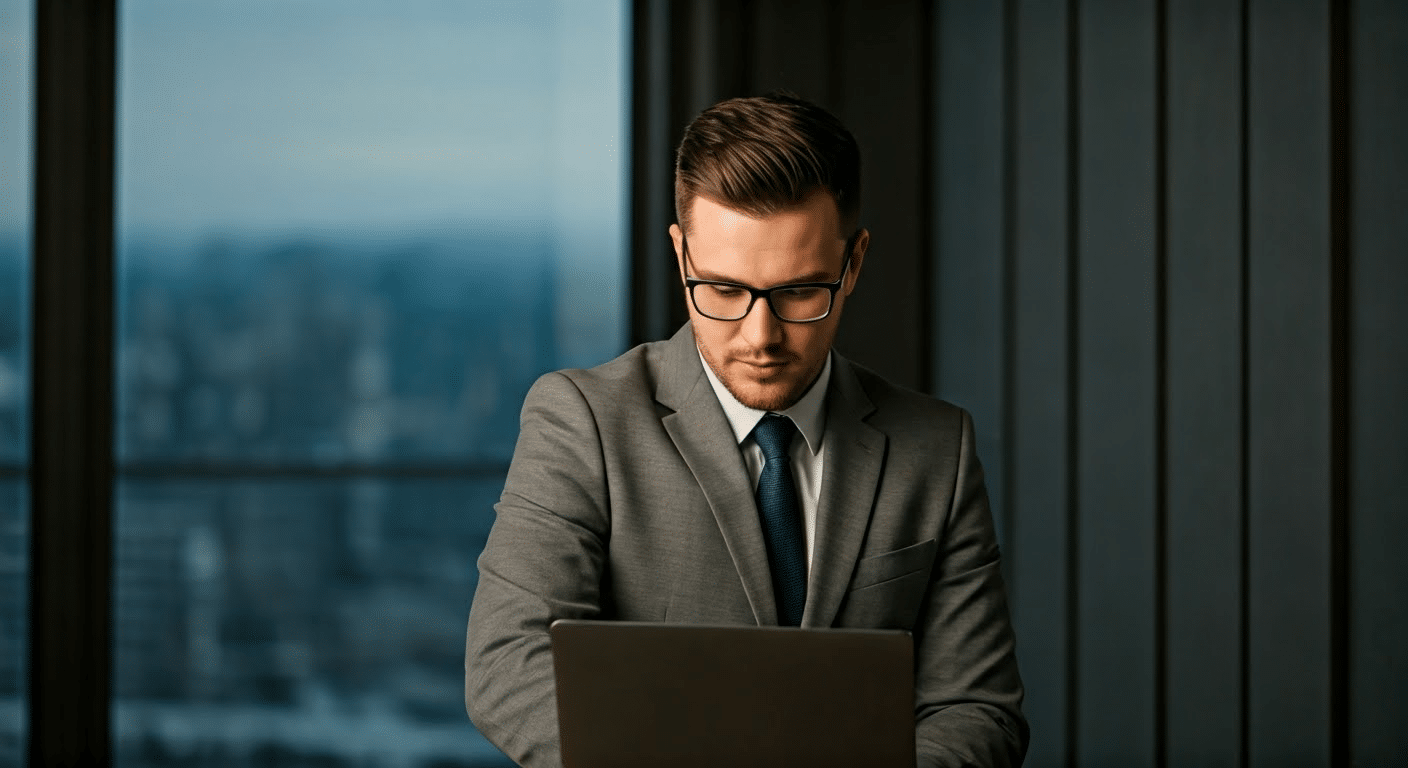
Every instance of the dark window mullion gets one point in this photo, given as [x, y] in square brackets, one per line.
[71, 424]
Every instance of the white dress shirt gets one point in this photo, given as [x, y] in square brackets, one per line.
[810, 417]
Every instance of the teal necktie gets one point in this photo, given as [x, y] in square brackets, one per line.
[782, 519]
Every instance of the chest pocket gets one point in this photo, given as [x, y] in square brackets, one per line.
[887, 590]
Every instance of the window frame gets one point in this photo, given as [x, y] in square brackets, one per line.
[73, 467]
[71, 357]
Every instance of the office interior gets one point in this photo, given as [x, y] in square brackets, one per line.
[1156, 248]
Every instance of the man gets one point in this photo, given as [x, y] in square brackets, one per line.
[744, 473]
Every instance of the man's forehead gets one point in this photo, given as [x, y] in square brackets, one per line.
[815, 219]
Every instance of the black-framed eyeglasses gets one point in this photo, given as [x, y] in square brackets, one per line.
[792, 303]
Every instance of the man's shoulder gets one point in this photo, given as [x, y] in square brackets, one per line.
[894, 402]
[921, 429]
[633, 373]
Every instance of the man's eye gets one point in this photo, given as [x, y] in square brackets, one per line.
[801, 294]
[727, 292]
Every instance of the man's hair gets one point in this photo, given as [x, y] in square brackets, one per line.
[766, 154]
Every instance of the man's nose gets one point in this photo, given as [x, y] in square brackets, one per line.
[761, 328]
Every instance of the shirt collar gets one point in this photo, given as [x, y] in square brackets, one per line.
[806, 413]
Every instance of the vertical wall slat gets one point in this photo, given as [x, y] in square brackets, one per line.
[1039, 423]
[1288, 383]
[967, 225]
[884, 102]
[1117, 383]
[1204, 440]
[791, 49]
[1378, 352]
[657, 300]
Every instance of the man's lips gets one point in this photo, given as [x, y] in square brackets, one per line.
[763, 365]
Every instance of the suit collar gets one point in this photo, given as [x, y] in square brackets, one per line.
[680, 371]
[702, 435]
[855, 457]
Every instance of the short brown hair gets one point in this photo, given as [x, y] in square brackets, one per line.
[765, 154]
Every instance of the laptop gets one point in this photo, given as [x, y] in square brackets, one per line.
[643, 694]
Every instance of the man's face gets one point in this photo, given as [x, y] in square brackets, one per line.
[765, 362]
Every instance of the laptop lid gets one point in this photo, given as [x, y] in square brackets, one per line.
[642, 694]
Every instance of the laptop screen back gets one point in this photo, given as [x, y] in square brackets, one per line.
[636, 694]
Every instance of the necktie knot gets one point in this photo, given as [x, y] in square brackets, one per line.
[774, 436]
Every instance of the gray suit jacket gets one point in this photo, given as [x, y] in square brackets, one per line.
[628, 499]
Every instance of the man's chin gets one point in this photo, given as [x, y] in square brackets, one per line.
[764, 396]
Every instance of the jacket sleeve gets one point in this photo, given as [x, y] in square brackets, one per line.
[543, 560]
[969, 693]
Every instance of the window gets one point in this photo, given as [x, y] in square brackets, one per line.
[349, 237]
[16, 91]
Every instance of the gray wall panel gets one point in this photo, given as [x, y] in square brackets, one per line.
[792, 49]
[1039, 420]
[1378, 345]
[967, 225]
[1204, 427]
[1289, 385]
[1117, 387]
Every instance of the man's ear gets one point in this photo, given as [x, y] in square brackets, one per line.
[858, 251]
[677, 235]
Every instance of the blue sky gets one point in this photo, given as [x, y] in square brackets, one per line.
[16, 29]
[296, 114]
[342, 118]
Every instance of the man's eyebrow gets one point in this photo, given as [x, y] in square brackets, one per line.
[818, 276]
[811, 277]
[714, 277]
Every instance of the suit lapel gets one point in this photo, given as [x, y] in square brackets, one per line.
[702, 435]
[854, 457]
